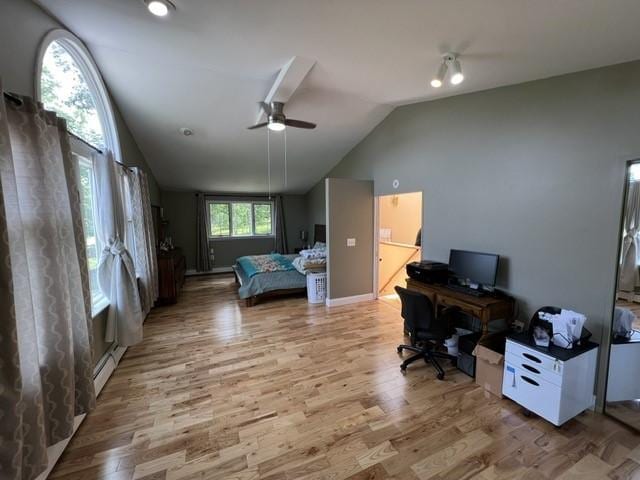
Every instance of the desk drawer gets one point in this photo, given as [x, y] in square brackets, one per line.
[473, 310]
[533, 357]
[534, 370]
[536, 395]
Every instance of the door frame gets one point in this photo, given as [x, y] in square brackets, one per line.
[376, 232]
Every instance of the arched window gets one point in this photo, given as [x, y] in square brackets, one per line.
[69, 83]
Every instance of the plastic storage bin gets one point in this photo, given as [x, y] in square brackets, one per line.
[316, 287]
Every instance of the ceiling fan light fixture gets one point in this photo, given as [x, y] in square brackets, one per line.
[159, 8]
[276, 126]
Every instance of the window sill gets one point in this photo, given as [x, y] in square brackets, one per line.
[248, 237]
[98, 308]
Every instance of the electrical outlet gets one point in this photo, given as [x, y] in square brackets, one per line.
[351, 242]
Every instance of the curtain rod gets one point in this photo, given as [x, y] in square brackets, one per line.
[18, 101]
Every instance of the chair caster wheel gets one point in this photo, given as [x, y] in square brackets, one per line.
[399, 350]
[440, 376]
[403, 370]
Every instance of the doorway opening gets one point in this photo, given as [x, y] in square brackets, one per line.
[399, 241]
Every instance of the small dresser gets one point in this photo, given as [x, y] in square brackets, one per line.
[555, 383]
[171, 270]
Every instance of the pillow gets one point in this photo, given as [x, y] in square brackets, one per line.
[319, 245]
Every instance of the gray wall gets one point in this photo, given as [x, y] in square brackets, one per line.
[23, 25]
[533, 172]
[179, 208]
[316, 207]
[350, 212]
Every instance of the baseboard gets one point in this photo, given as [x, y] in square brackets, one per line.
[336, 302]
[54, 452]
[193, 273]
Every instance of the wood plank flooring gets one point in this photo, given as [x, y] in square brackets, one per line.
[288, 390]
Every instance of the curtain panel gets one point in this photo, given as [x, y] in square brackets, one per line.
[116, 270]
[146, 262]
[629, 276]
[203, 258]
[281, 245]
[46, 365]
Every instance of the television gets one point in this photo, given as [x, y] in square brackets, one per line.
[474, 267]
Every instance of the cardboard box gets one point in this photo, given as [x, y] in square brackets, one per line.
[489, 355]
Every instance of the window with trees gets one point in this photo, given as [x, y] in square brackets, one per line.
[68, 83]
[240, 219]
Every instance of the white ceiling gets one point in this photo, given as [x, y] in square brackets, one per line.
[207, 65]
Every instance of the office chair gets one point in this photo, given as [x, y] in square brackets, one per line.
[423, 326]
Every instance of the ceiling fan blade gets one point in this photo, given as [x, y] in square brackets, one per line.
[258, 125]
[265, 107]
[299, 123]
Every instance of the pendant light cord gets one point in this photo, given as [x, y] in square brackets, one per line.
[269, 163]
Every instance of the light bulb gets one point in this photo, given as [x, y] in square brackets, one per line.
[276, 126]
[158, 8]
[439, 78]
[456, 77]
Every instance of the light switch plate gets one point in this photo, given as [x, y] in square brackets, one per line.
[351, 242]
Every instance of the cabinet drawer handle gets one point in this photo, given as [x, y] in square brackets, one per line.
[530, 368]
[531, 357]
[528, 380]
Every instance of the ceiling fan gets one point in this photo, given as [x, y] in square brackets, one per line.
[276, 119]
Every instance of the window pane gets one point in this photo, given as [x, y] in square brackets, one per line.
[241, 219]
[219, 219]
[262, 216]
[93, 250]
[65, 91]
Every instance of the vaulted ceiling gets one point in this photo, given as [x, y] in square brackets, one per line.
[207, 65]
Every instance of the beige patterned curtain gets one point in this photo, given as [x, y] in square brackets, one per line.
[145, 259]
[46, 366]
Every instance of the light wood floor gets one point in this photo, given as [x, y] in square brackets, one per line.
[286, 390]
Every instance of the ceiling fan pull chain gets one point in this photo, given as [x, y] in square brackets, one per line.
[268, 164]
[285, 158]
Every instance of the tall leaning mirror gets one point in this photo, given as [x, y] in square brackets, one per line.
[623, 384]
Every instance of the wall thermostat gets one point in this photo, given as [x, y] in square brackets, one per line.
[396, 183]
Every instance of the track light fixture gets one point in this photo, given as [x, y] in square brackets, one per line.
[449, 62]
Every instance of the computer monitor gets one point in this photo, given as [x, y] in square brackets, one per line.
[475, 267]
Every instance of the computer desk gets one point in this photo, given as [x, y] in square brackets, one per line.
[487, 308]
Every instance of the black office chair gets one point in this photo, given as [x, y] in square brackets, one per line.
[422, 325]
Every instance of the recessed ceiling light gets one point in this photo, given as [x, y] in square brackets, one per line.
[187, 132]
[160, 8]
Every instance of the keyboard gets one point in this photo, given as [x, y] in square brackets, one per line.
[467, 290]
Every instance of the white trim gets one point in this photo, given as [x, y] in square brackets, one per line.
[231, 236]
[376, 242]
[336, 302]
[83, 59]
[327, 235]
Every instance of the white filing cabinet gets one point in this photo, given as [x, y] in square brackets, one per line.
[554, 382]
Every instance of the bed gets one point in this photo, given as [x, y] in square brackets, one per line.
[266, 276]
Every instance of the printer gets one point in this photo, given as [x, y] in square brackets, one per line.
[428, 271]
